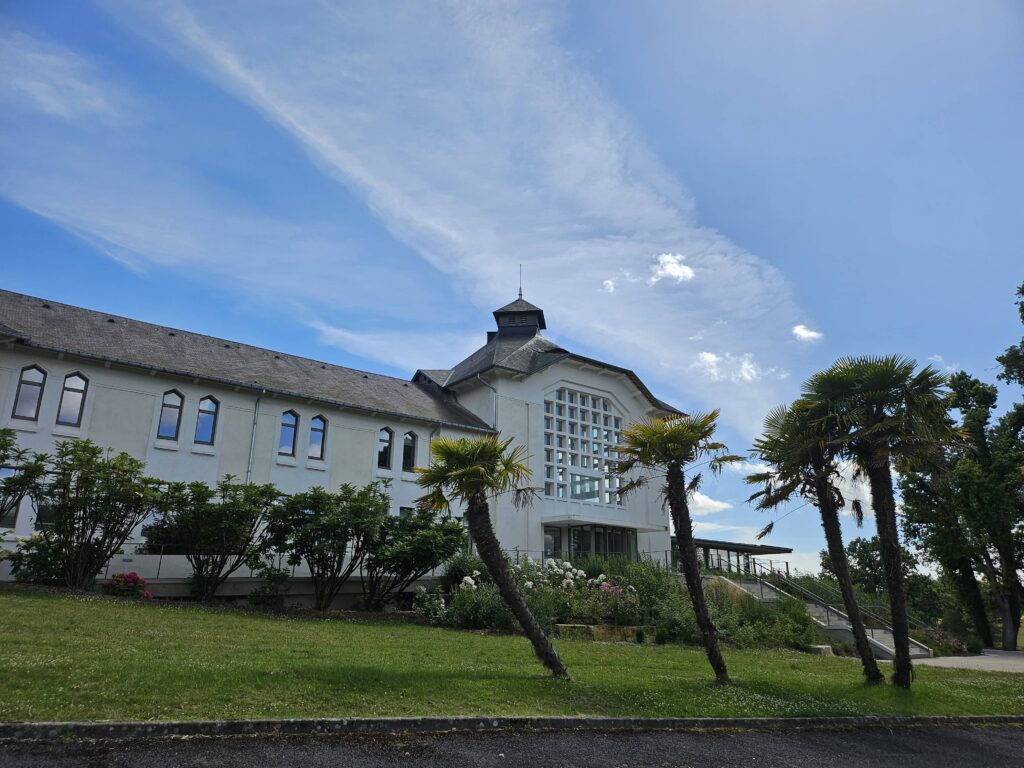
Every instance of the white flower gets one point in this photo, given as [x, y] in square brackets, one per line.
[468, 583]
[527, 559]
[528, 585]
[567, 584]
[476, 574]
[631, 588]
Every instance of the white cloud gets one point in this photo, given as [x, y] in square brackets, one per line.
[608, 286]
[701, 504]
[803, 333]
[54, 80]
[495, 147]
[734, 368]
[940, 361]
[748, 467]
[670, 265]
[745, 533]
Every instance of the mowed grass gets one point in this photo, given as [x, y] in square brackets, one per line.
[83, 658]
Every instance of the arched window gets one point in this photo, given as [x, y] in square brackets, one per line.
[289, 430]
[317, 437]
[72, 400]
[170, 415]
[409, 452]
[29, 394]
[206, 420]
[384, 439]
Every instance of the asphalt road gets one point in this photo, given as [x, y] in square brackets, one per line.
[931, 747]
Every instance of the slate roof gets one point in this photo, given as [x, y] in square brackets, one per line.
[43, 324]
[522, 307]
[525, 354]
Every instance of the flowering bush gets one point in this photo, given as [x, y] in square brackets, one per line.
[127, 585]
[36, 561]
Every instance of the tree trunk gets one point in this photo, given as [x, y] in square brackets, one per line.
[478, 519]
[961, 570]
[841, 568]
[680, 510]
[1010, 602]
[884, 505]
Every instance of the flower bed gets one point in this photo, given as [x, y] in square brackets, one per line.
[126, 585]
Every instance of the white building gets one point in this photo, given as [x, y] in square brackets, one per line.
[195, 407]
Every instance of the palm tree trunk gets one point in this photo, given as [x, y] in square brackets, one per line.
[884, 505]
[841, 568]
[680, 510]
[478, 519]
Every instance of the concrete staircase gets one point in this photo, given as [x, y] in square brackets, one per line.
[835, 623]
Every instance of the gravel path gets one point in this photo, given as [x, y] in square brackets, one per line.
[992, 661]
[911, 748]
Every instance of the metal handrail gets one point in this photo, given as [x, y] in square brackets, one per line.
[837, 596]
[885, 626]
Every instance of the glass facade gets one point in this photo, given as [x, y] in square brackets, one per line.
[581, 431]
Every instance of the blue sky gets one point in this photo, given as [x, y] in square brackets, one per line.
[686, 184]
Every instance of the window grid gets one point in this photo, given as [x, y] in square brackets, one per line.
[581, 431]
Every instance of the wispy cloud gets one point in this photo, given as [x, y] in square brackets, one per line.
[403, 349]
[51, 79]
[481, 143]
[714, 530]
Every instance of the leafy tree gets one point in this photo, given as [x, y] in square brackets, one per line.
[1012, 360]
[218, 529]
[969, 517]
[20, 473]
[404, 549]
[795, 444]
[331, 532]
[881, 411]
[666, 447]
[470, 472]
[93, 502]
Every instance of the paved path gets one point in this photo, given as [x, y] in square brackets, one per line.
[911, 748]
[993, 661]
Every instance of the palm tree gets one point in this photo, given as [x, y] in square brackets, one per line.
[470, 472]
[668, 446]
[883, 413]
[795, 445]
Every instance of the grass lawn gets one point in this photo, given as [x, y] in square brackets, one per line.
[82, 658]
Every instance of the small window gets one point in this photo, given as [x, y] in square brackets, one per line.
[170, 415]
[289, 429]
[206, 421]
[72, 400]
[384, 438]
[317, 437]
[406, 512]
[409, 452]
[29, 394]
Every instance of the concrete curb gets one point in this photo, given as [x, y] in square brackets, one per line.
[399, 725]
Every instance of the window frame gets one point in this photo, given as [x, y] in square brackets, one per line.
[180, 407]
[295, 433]
[323, 437]
[41, 385]
[216, 418]
[81, 405]
[410, 467]
[390, 448]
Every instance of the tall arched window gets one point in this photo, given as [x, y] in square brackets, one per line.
[170, 415]
[409, 452]
[72, 400]
[206, 420]
[29, 394]
[384, 439]
[289, 430]
[317, 437]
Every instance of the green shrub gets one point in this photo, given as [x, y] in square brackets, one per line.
[272, 591]
[458, 567]
[37, 561]
[480, 607]
[430, 605]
